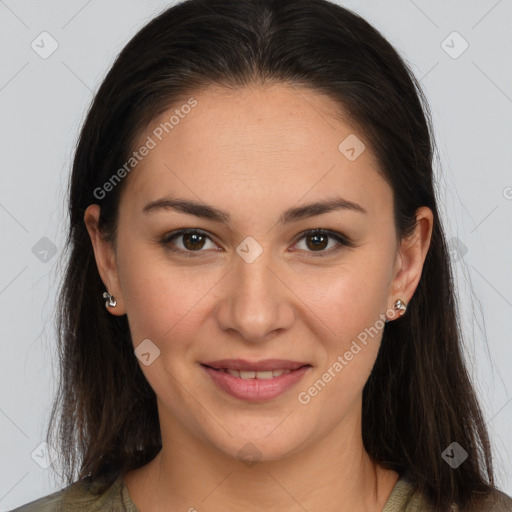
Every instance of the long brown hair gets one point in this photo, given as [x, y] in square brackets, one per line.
[418, 398]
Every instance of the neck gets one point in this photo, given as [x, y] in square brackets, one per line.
[334, 473]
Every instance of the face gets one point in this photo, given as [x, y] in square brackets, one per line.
[256, 283]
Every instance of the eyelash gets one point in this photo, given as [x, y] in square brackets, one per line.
[341, 239]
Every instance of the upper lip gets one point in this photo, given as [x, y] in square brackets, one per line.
[264, 364]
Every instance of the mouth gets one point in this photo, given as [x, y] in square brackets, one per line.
[252, 374]
[263, 365]
[255, 381]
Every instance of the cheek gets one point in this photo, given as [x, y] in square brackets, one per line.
[163, 301]
[348, 297]
[348, 303]
[349, 312]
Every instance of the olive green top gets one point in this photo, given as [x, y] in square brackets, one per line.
[80, 497]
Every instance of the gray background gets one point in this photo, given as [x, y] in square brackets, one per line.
[43, 102]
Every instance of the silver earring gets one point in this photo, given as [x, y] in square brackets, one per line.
[400, 305]
[110, 302]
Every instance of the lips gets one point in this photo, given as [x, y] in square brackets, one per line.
[255, 381]
[264, 365]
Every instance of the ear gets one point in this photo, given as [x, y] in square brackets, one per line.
[105, 259]
[411, 256]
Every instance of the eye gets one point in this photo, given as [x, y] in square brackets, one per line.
[317, 240]
[194, 240]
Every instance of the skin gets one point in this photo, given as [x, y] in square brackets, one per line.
[255, 152]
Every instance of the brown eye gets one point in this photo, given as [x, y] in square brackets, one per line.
[192, 241]
[317, 241]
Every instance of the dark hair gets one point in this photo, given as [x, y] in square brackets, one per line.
[419, 397]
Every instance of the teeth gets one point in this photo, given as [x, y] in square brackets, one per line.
[255, 375]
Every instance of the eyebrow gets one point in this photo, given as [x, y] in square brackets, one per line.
[209, 212]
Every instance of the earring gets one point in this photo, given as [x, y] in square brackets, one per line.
[400, 305]
[110, 302]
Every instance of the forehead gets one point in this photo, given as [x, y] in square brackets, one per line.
[268, 142]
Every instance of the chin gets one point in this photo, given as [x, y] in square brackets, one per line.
[259, 448]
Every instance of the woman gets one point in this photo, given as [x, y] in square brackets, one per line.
[252, 200]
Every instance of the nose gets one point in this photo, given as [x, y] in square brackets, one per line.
[255, 301]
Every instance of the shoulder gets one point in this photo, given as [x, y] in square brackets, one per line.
[82, 496]
[404, 498]
[496, 501]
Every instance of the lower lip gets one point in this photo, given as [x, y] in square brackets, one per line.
[255, 390]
